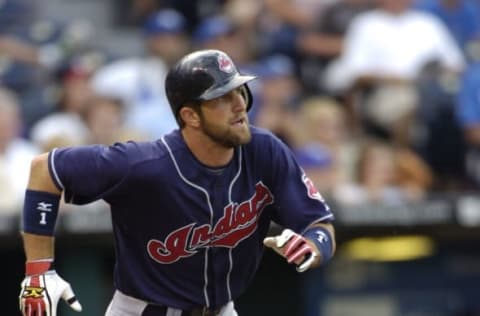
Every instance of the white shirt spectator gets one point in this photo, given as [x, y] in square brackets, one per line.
[59, 129]
[382, 44]
[14, 173]
[139, 83]
[16, 154]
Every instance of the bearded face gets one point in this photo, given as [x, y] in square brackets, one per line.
[227, 132]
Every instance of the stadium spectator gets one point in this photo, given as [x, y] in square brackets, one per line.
[325, 147]
[383, 179]
[220, 32]
[193, 11]
[276, 94]
[105, 118]
[389, 110]
[281, 21]
[385, 51]
[438, 135]
[31, 58]
[20, 51]
[323, 41]
[392, 44]
[136, 80]
[461, 17]
[244, 14]
[468, 115]
[65, 125]
[15, 154]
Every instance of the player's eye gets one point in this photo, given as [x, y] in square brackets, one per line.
[240, 91]
[229, 96]
[243, 92]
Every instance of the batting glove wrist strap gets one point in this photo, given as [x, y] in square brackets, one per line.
[42, 288]
[323, 241]
[40, 212]
[37, 267]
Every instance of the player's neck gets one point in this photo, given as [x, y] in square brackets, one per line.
[206, 150]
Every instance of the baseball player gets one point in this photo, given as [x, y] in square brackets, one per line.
[190, 211]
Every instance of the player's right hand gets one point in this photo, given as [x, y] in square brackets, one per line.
[295, 248]
[42, 288]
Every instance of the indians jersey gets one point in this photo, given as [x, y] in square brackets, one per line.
[187, 234]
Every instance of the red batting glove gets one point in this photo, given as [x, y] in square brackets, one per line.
[42, 288]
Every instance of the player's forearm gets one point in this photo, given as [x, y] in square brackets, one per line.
[329, 227]
[38, 246]
[324, 254]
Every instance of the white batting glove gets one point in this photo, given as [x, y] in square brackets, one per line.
[294, 248]
[42, 288]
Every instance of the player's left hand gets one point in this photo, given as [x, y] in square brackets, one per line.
[295, 248]
[41, 290]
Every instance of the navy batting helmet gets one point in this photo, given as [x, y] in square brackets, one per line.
[204, 75]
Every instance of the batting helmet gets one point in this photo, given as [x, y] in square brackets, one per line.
[204, 75]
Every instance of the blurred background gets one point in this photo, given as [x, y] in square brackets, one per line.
[378, 99]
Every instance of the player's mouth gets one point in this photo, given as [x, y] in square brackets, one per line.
[239, 122]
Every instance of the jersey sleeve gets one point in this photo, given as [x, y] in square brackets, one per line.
[298, 202]
[88, 173]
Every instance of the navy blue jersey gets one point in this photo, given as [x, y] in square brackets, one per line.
[187, 234]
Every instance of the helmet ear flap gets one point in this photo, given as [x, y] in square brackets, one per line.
[244, 94]
[247, 95]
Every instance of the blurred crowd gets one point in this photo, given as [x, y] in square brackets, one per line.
[378, 99]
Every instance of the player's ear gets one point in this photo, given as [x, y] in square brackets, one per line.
[189, 116]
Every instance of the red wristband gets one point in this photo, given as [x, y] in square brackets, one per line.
[38, 266]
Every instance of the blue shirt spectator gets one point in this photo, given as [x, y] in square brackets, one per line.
[468, 115]
[468, 105]
[462, 17]
[212, 28]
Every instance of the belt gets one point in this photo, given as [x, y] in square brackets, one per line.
[203, 311]
[156, 310]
